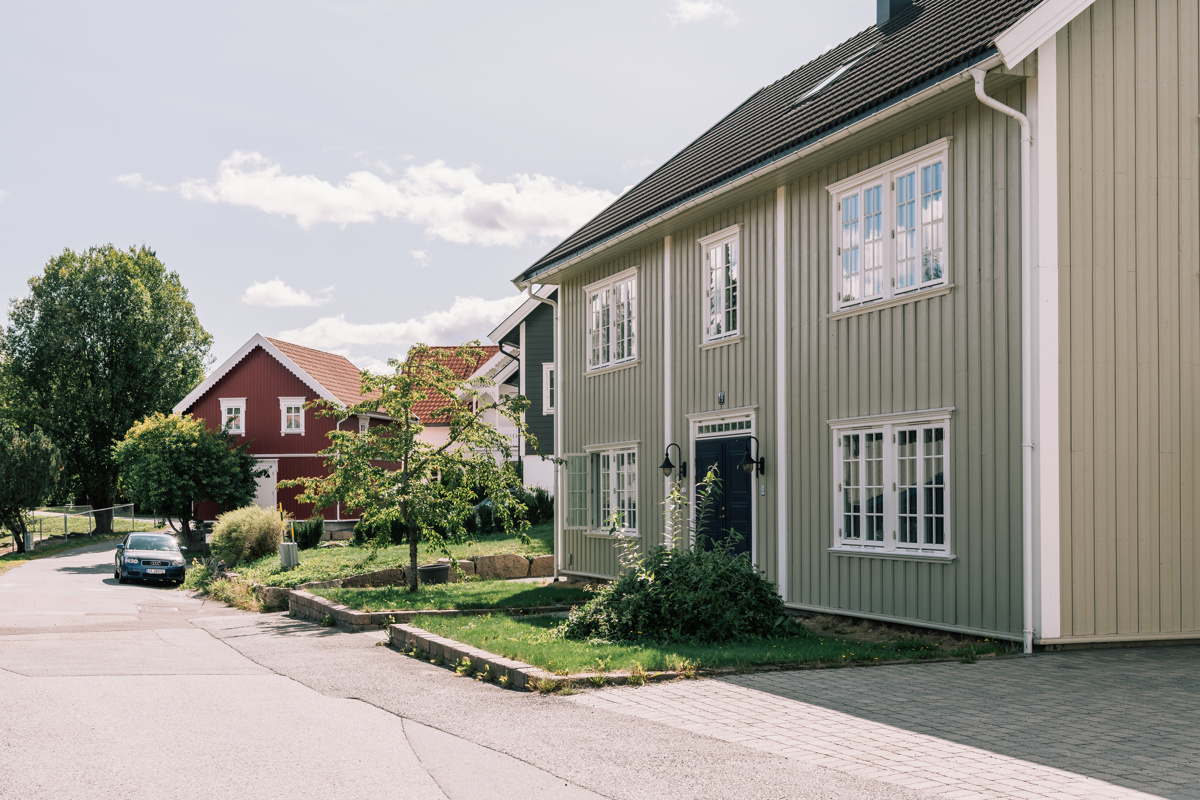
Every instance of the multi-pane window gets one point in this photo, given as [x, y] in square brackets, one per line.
[890, 228]
[612, 320]
[291, 413]
[548, 387]
[233, 415]
[722, 301]
[891, 485]
[613, 496]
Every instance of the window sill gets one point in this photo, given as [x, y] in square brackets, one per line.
[736, 338]
[898, 555]
[291, 433]
[877, 305]
[614, 368]
[607, 535]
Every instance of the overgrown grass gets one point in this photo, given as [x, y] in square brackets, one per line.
[12, 560]
[531, 639]
[328, 563]
[471, 594]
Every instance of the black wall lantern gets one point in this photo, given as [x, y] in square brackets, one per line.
[667, 467]
[748, 463]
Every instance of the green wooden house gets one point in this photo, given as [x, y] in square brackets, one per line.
[931, 306]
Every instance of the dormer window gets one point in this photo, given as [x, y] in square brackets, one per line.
[233, 415]
[291, 413]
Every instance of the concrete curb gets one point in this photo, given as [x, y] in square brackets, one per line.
[520, 675]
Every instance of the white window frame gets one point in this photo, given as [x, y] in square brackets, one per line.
[284, 404]
[548, 388]
[626, 280]
[364, 423]
[233, 402]
[604, 496]
[717, 299]
[889, 426]
[888, 248]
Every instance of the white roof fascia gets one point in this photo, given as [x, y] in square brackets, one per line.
[258, 340]
[514, 319]
[1030, 31]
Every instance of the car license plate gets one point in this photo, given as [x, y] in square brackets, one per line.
[156, 572]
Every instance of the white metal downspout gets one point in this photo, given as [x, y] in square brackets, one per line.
[1027, 444]
[559, 497]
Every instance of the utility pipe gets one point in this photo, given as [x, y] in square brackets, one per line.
[1027, 444]
[559, 483]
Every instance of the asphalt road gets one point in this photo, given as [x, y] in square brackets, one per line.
[110, 691]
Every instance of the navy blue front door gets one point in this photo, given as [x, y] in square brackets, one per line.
[729, 503]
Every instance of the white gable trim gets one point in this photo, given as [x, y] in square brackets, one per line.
[514, 319]
[1031, 30]
[258, 340]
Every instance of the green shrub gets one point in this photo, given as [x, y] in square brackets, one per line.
[309, 532]
[542, 506]
[703, 594]
[246, 534]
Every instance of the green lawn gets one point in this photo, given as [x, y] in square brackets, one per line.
[470, 594]
[529, 639]
[328, 563]
[42, 528]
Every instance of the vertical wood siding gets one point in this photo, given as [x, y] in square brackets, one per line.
[960, 349]
[619, 406]
[1130, 318]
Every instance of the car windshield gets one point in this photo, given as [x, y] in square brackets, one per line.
[152, 543]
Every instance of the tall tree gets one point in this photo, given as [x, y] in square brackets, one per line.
[397, 480]
[168, 462]
[104, 338]
[29, 469]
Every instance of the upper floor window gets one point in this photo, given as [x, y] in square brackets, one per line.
[548, 387]
[612, 320]
[364, 423]
[233, 415]
[291, 413]
[891, 479]
[721, 277]
[890, 228]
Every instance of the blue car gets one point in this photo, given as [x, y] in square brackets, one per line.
[149, 557]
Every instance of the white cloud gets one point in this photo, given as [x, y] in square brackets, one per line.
[3, 194]
[277, 294]
[135, 180]
[684, 12]
[453, 204]
[421, 257]
[469, 318]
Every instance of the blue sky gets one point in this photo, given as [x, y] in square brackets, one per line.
[357, 175]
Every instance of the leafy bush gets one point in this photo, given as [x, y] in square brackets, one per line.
[704, 594]
[246, 534]
[542, 506]
[377, 534]
[309, 532]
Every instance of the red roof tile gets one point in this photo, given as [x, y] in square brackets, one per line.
[462, 367]
[336, 373]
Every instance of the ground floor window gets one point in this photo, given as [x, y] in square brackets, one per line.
[602, 490]
[891, 491]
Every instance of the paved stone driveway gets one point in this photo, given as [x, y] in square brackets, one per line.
[1083, 724]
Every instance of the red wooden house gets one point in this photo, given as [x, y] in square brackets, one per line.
[259, 395]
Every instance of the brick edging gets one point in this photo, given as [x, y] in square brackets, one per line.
[520, 675]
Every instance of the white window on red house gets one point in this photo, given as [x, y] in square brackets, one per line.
[291, 412]
[233, 415]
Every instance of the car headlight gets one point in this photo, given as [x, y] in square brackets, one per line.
[177, 562]
[130, 560]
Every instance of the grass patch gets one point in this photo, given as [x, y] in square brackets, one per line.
[328, 563]
[532, 640]
[466, 595]
[12, 560]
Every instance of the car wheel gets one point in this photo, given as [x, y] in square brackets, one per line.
[117, 573]
[121, 577]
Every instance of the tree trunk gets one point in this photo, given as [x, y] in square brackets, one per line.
[19, 534]
[413, 537]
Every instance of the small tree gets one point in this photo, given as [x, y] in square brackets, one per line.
[29, 469]
[396, 480]
[169, 462]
